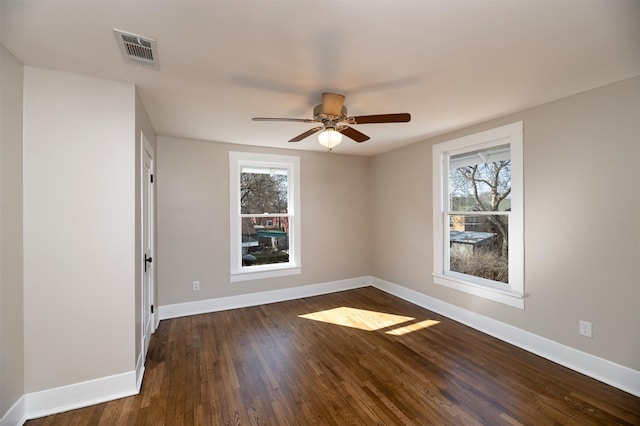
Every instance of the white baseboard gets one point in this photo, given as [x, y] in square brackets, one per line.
[616, 375]
[16, 415]
[139, 371]
[65, 398]
[261, 298]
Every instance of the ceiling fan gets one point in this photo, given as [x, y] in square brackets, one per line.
[332, 115]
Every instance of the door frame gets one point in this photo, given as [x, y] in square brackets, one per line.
[149, 287]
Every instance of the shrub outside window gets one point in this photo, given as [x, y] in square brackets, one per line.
[478, 214]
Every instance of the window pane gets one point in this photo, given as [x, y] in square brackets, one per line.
[265, 240]
[263, 190]
[479, 246]
[480, 180]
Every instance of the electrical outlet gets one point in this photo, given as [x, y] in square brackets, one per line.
[196, 285]
[585, 329]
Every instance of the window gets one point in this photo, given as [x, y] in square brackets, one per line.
[478, 214]
[265, 221]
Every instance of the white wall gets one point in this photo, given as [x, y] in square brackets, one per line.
[79, 228]
[582, 233]
[193, 220]
[11, 276]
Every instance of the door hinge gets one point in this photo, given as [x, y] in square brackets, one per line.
[151, 178]
[151, 308]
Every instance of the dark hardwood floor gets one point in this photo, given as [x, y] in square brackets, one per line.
[269, 365]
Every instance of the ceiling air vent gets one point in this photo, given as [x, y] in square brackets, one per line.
[137, 49]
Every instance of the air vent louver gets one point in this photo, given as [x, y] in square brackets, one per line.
[137, 49]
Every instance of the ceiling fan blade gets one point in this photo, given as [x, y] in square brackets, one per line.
[382, 118]
[306, 134]
[332, 103]
[299, 120]
[353, 133]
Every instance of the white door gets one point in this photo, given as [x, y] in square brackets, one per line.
[147, 244]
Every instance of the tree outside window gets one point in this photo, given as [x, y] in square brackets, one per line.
[479, 241]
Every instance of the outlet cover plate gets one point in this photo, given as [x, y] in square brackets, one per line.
[586, 329]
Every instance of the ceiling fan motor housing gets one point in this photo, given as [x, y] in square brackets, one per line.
[320, 115]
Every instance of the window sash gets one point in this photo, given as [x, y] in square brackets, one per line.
[251, 196]
[448, 248]
[478, 212]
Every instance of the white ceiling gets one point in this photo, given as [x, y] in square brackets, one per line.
[448, 63]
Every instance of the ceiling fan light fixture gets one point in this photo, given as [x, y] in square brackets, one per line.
[330, 138]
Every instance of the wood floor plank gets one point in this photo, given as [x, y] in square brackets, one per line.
[359, 357]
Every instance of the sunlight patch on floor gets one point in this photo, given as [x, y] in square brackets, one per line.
[363, 319]
[412, 327]
[357, 318]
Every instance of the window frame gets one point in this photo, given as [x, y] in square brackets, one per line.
[511, 294]
[237, 160]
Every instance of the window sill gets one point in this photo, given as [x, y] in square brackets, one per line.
[265, 272]
[506, 297]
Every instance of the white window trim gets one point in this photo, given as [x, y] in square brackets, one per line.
[236, 161]
[513, 295]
